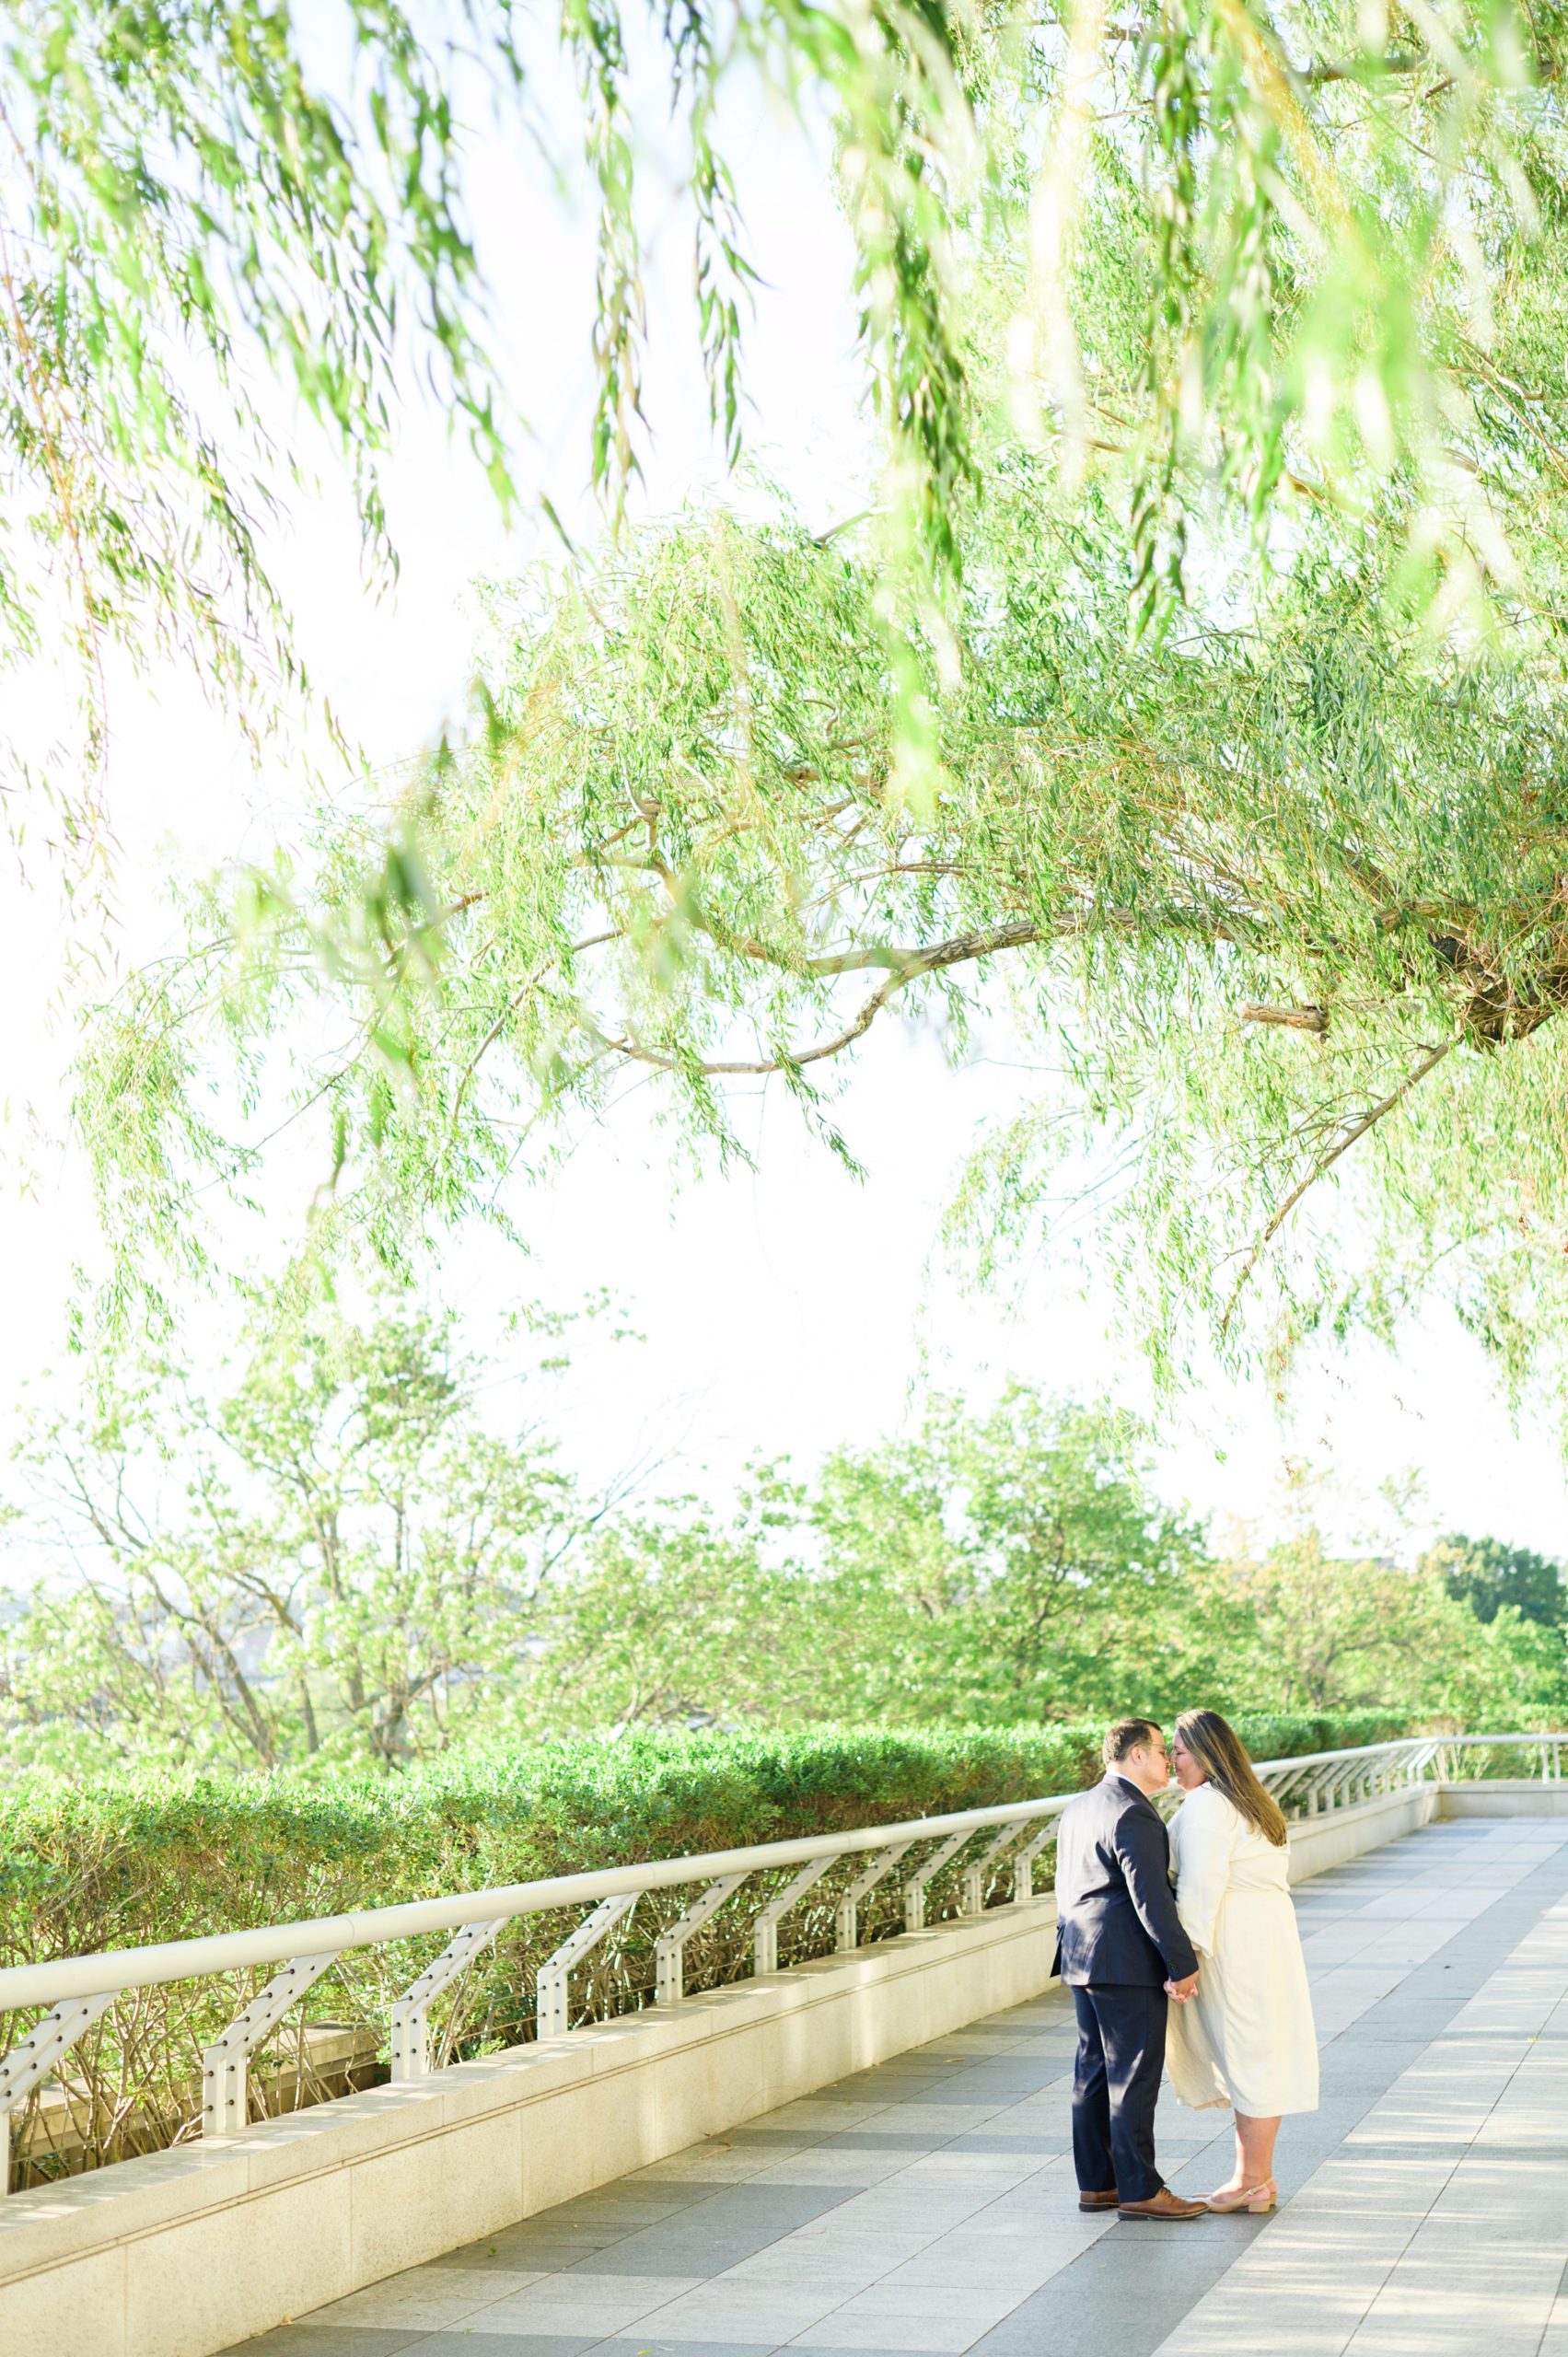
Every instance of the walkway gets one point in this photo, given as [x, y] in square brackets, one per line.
[929, 2205]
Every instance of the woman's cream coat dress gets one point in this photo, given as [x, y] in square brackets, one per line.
[1246, 2037]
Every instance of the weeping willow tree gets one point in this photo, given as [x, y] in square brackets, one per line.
[1222, 739]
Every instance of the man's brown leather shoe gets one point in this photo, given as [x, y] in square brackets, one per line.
[1164, 2204]
[1099, 2201]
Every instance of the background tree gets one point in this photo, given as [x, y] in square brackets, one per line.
[333, 1559]
[1013, 1566]
[1009, 1568]
[1329, 1633]
[330, 1562]
[669, 1617]
[1488, 1577]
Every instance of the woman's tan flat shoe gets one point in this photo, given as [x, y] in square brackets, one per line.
[1255, 2200]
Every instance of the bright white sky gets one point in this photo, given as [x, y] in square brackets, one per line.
[788, 1308]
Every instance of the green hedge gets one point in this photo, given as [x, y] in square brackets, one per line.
[119, 1864]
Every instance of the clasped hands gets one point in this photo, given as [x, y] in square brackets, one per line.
[1182, 1990]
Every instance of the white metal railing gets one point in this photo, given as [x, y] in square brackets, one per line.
[77, 1989]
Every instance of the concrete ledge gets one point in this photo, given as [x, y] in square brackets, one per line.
[1317, 1843]
[181, 2254]
[1502, 1796]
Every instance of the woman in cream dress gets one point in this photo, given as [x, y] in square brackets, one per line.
[1245, 2037]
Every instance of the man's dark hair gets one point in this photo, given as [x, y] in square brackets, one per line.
[1125, 1737]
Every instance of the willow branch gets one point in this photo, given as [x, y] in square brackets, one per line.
[1351, 1135]
[1292, 1018]
[962, 949]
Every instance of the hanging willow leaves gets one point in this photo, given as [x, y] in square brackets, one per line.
[1278, 876]
[215, 216]
[208, 209]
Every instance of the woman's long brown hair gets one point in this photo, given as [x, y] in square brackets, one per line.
[1226, 1761]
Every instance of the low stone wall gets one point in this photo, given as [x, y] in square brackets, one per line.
[181, 2254]
[1316, 1843]
[1502, 1797]
[335, 2059]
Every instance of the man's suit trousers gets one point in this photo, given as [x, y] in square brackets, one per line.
[1115, 2087]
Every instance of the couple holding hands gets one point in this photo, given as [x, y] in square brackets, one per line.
[1209, 1977]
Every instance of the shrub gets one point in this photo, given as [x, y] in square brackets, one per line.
[124, 1863]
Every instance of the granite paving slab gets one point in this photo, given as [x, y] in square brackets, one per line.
[928, 2206]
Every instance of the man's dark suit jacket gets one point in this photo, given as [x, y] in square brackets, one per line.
[1116, 1920]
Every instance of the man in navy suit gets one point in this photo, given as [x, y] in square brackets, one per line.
[1120, 1948]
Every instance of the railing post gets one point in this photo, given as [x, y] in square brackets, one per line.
[554, 1990]
[916, 1885]
[226, 2064]
[32, 2058]
[1287, 1782]
[669, 1950]
[974, 1876]
[765, 1931]
[1024, 1864]
[846, 1915]
[411, 2014]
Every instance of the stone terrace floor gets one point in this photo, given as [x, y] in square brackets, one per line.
[929, 2204]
